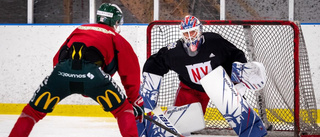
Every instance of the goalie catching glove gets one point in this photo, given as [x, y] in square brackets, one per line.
[251, 75]
[138, 109]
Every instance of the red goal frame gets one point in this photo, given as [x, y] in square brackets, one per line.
[250, 22]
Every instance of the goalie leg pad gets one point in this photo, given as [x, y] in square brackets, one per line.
[240, 116]
[256, 130]
[180, 117]
[149, 90]
[148, 129]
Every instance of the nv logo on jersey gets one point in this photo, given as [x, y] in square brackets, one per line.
[198, 71]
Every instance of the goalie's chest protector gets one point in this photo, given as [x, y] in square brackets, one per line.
[213, 52]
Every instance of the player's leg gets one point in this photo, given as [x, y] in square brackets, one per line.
[44, 100]
[186, 95]
[106, 92]
[28, 118]
[126, 120]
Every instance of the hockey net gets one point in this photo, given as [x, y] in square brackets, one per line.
[287, 102]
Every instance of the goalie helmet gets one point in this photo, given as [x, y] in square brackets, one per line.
[109, 14]
[191, 31]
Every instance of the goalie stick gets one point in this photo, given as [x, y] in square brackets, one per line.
[162, 126]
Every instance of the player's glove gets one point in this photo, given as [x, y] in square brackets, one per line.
[138, 109]
[251, 74]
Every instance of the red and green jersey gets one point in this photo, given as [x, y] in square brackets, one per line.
[117, 53]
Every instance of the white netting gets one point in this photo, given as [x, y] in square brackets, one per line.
[273, 43]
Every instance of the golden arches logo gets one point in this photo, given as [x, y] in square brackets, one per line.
[106, 98]
[48, 101]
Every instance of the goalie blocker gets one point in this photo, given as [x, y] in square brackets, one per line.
[240, 116]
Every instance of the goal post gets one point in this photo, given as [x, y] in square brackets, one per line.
[287, 102]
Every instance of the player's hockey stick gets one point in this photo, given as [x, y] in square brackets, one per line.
[162, 126]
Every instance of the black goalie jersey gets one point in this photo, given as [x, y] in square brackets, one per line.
[214, 51]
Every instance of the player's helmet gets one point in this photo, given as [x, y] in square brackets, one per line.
[109, 14]
[191, 30]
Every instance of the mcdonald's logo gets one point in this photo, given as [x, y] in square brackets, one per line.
[106, 98]
[48, 101]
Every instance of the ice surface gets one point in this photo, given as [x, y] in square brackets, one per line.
[64, 126]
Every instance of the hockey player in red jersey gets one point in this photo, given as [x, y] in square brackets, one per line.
[192, 57]
[85, 64]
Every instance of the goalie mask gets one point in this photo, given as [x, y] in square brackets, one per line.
[111, 15]
[191, 31]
